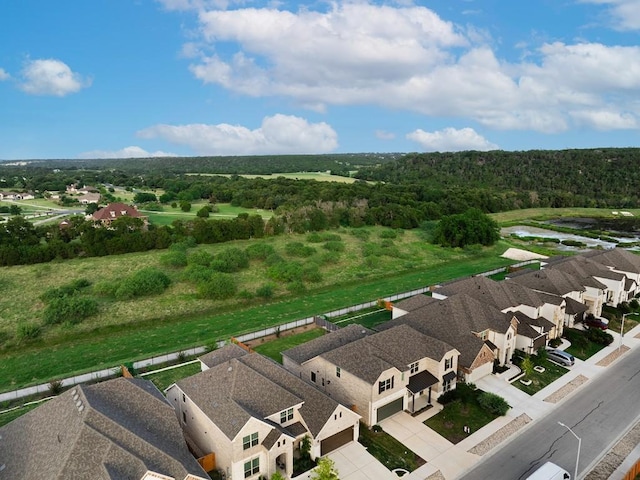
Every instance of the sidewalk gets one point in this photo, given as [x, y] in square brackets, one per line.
[448, 461]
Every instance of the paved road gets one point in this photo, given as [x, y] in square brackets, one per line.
[599, 413]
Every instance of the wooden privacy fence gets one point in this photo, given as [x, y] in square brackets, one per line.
[633, 472]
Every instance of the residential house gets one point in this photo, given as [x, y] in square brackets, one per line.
[622, 261]
[479, 331]
[377, 374]
[544, 314]
[118, 429]
[114, 211]
[560, 284]
[252, 414]
[16, 196]
[88, 198]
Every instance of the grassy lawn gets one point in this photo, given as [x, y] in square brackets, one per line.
[549, 213]
[539, 380]
[581, 349]
[169, 214]
[615, 319]
[389, 451]
[502, 275]
[367, 318]
[135, 329]
[273, 348]
[168, 377]
[318, 176]
[464, 411]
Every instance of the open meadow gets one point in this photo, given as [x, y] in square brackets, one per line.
[355, 265]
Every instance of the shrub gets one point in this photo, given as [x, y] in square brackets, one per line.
[599, 336]
[69, 309]
[296, 287]
[334, 246]
[390, 234]
[311, 273]
[299, 249]
[542, 353]
[360, 234]
[259, 251]
[624, 307]
[200, 257]
[493, 403]
[286, 271]
[219, 287]
[230, 260]
[65, 290]
[555, 342]
[265, 291]
[147, 281]
[55, 387]
[28, 331]
[634, 304]
[323, 237]
[448, 397]
[175, 258]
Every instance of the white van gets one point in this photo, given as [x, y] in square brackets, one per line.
[550, 471]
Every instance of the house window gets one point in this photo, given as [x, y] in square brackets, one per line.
[184, 417]
[338, 372]
[250, 441]
[413, 368]
[286, 415]
[385, 385]
[184, 397]
[252, 467]
[313, 377]
[448, 363]
[446, 385]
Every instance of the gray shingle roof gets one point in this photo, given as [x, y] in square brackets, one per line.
[230, 393]
[221, 355]
[574, 307]
[618, 258]
[499, 294]
[413, 303]
[525, 327]
[326, 343]
[549, 280]
[584, 270]
[117, 429]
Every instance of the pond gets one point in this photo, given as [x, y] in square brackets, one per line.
[526, 231]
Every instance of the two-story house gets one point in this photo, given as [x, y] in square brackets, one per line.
[377, 374]
[252, 414]
[121, 428]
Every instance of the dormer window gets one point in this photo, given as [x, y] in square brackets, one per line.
[413, 368]
[286, 415]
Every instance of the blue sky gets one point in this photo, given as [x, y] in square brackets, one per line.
[133, 78]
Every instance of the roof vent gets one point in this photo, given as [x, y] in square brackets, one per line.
[229, 369]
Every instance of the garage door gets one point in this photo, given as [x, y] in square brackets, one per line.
[389, 409]
[336, 441]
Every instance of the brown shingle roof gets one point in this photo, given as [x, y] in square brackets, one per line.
[116, 210]
[413, 303]
[115, 429]
[549, 280]
[499, 294]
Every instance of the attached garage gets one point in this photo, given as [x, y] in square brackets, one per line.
[389, 409]
[336, 441]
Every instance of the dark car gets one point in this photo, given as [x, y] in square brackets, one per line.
[595, 323]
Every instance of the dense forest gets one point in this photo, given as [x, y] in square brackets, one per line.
[394, 191]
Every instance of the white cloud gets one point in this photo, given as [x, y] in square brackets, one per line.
[624, 14]
[51, 77]
[451, 140]
[279, 134]
[127, 152]
[605, 120]
[4, 75]
[384, 135]
[408, 58]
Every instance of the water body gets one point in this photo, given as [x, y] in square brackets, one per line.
[526, 231]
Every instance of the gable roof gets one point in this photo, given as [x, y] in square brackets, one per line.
[550, 280]
[617, 258]
[118, 429]
[413, 303]
[330, 341]
[249, 385]
[116, 210]
[585, 270]
[396, 347]
[525, 327]
[499, 294]
[221, 355]
[453, 321]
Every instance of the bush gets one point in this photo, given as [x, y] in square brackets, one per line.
[69, 309]
[148, 281]
[599, 336]
[200, 257]
[286, 271]
[265, 291]
[299, 249]
[65, 290]
[259, 251]
[542, 353]
[296, 287]
[555, 342]
[311, 273]
[389, 234]
[28, 331]
[634, 304]
[230, 260]
[334, 246]
[219, 287]
[624, 307]
[175, 258]
[448, 397]
[323, 237]
[493, 403]
[55, 387]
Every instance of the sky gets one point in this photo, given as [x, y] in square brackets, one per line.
[146, 78]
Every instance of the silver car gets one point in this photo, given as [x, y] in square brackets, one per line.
[561, 357]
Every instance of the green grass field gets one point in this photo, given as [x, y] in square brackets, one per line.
[136, 329]
[273, 348]
[549, 213]
[169, 214]
[318, 176]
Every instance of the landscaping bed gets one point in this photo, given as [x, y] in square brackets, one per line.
[539, 379]
[584, 344]
[387, 450]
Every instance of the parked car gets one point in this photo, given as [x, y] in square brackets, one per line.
[550, 471]
[561, 357]
[595, 323]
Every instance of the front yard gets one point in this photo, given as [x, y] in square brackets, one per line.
[387, 450]
[461, 417]
[539, 380]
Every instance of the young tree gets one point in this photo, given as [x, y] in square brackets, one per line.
[326, 470]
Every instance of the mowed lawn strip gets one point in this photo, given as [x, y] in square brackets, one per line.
[107, 348]
[273, 348]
